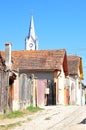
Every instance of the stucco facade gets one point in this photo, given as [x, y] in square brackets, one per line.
[76, 78]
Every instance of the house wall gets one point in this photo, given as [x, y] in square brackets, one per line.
[77, 96]
[72, 91]
[42, 75]
[78, 93]
[61, 85]
[83, 97]
[15, 96]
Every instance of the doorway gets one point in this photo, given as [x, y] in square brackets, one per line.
[51, 99]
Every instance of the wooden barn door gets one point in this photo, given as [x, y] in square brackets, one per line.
[41, 96]
[66, 96]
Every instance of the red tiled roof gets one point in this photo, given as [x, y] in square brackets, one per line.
[39, 60]
[73, 64]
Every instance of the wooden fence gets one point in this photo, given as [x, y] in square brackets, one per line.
[26, 85]
[32, 91]
[3, 91]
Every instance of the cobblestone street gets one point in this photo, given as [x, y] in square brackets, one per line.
[57, 118]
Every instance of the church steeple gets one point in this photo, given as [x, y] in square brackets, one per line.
[31, 29]
[31, 42]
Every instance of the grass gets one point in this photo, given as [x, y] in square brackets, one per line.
[20, 113]
[34, 109]
[14, 114]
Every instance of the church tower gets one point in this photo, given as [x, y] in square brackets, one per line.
[31, 41]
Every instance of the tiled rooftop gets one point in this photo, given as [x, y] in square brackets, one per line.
[73, 64]
[39, 59]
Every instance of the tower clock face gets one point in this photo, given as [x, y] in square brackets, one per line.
[31, 45]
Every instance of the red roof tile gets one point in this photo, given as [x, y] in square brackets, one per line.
[39, 60]
[73, 64]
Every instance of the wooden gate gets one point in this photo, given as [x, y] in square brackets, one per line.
[41, 96]
[25, 91]
[66, 96]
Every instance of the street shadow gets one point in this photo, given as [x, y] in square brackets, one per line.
[83, 121]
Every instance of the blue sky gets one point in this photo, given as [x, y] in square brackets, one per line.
[58, 24]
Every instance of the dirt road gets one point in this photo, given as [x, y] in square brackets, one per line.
[57, 118]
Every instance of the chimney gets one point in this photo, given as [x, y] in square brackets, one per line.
[8, 55]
